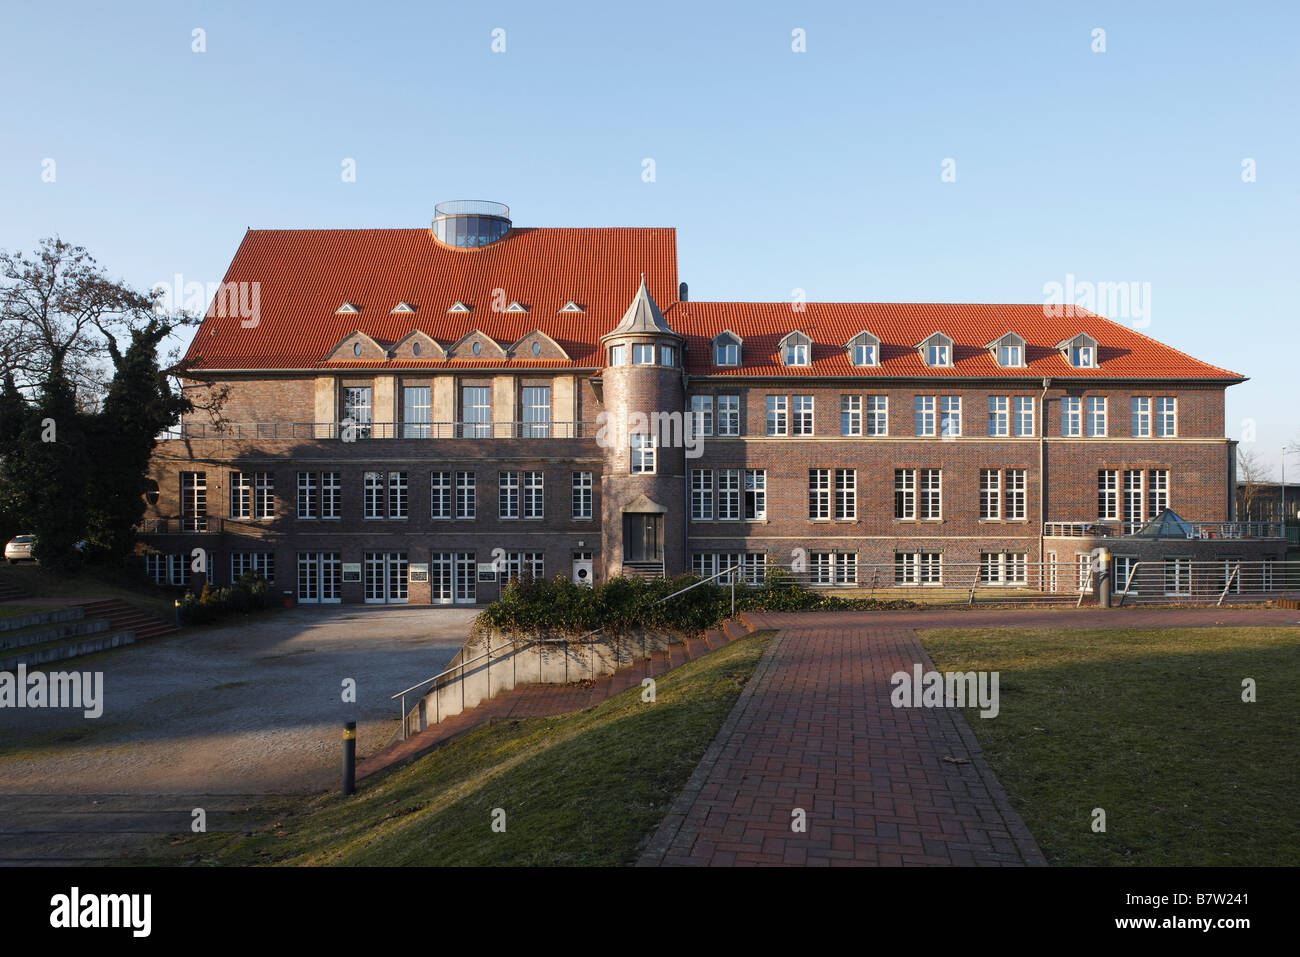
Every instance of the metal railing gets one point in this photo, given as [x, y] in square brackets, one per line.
[934, 582]
[1197, 530]
[383, 430]
[1179, 581]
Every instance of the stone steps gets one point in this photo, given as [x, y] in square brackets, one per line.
[52, 651]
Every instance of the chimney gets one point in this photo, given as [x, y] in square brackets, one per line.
[682, 292]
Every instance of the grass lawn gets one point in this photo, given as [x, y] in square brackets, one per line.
[43, 583]
[579, 789]
[13, 611]
[1151, 727]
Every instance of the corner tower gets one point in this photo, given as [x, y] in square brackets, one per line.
[643, 486]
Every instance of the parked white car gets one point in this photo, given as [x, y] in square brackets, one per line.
[19, 549]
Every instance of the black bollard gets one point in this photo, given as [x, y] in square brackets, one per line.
[349, 757]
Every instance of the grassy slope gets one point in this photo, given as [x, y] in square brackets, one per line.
[1150, 726]
[579, 789]
[85, 586]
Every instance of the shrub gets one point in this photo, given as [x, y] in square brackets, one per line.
[212, 604]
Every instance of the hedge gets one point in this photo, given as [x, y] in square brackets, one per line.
[247, 594]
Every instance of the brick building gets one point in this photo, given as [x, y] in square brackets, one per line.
[417, 414]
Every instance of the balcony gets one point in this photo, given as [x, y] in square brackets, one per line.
[1193, 530]
[307, 431]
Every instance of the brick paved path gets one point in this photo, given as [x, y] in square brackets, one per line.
[814, 729]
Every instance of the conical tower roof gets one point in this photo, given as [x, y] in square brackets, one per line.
[642, 318]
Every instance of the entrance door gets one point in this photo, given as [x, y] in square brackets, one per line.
[441, 565]
[384, 575]
[643, 537]
[320, 578]
[582, 568]
[466, 578]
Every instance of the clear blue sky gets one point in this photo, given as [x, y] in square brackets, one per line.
[818, 170]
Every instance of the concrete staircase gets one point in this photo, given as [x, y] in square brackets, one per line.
[121, 614]
[56, 634]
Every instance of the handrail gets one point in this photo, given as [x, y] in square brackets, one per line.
[1128, 582]
[705, 581]
[1236, 567]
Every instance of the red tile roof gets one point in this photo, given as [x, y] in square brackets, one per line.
[304, 275]
[1122, 352]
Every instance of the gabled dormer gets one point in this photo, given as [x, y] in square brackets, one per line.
[459, 306]
[1008, 350]
[516, 307]
[347, 309]
[403, 308]
[795, 349]
[537, 345]
[357, 345]
[571, 306]
[726, 348]
[936, 350]
[475, 345]
[863, 349]
[418, 345]
[1080, 351]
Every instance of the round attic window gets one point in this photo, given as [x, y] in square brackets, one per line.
[477, 348]
[415, 348]
[356, 348]
[537, 348]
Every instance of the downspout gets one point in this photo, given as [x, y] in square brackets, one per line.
[1042, 475]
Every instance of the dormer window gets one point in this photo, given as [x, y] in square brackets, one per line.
[1009, 351]
[936, 350]
[1080, 351]
[403, 307]
[796, 349]
[347, 309]
[571, 306]
[516, 307]
[726, 349]
[864, 349]
[458, 306]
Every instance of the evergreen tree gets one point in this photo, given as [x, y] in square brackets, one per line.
[56, 471]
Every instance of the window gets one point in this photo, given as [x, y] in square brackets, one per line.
[877, 415]
[864, 354]
[846, 494]
[1157, 492]
[1141, 417]
[990, 494]
[373, 501]
[534, 495]
[846, 568]
[415, 411]
[617, 355]
[475, 412]
[1010, 355]
[356, 406]
[850, 415]
[524, 564]
[667, 356]
[1015, 482]
[643, 354]
[702, 414]
[795, 352]
[466, 495]
[726, 351]
[508, 495]
[1178, 576]
[1166, 416]
[642, 447]
[262, 563]
[777, 415]
[819, 494]
[923, 415]
[728, 415]
[307, 495]
[582, 495]
[537, 412]
[756, 494]
[1096, 416]
[1121, 570]
[904, 493]
[1003, 568]
[1107, 494]
[1132, 502]
[397, 488]
[1024, 415]
[1083, 357]
[331, 495]
[252, 495]
[917, 568]
[802, 417]
[753, 567]
[701, 495]
[819, 568]
[729, 495]
[440, 495]
[1071, 416]
[931, 495]
[999, 415]
[950, 415]
[938, 354]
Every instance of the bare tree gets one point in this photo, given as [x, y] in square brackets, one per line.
[1252, 475]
